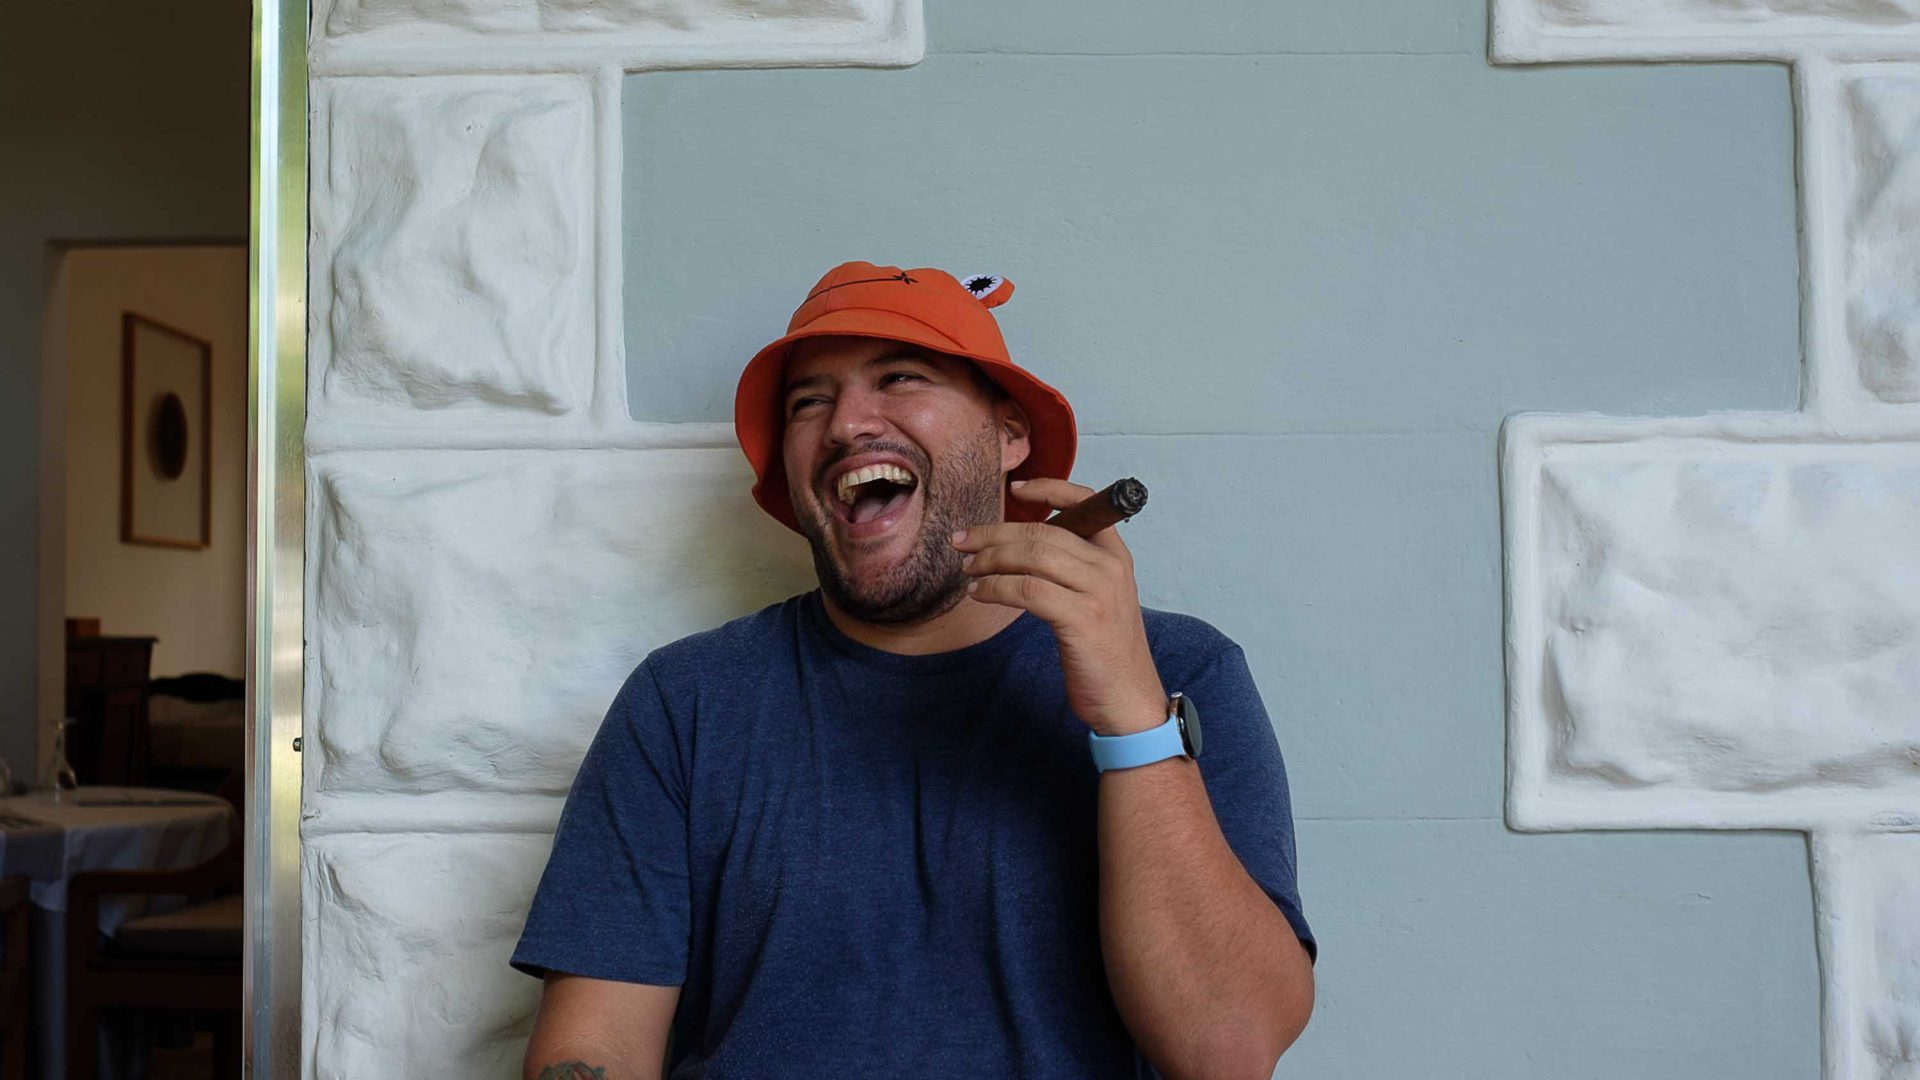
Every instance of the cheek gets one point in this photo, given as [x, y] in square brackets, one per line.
[797, 463]
[964, 464]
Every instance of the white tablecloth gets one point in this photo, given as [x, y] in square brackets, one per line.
[107, 828]
[95, 828]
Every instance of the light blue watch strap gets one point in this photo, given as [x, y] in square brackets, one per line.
[1139, 748]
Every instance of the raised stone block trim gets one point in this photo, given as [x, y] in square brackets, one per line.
[372, 36]
[452, 250]
[474, 612]
[1868, 889]
[737, 19]
[1535, 30]
[1758, 14]
[1880, 183]
[1714, 623]
[408, 938]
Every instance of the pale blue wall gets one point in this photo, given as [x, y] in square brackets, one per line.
[1308, 256]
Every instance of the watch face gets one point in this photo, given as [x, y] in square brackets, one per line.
[1189, 723]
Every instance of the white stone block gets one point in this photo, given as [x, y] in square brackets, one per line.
[1535, 30]
[452, 250]
[1869, 892]
[1711, 630]
[374, 36]
[720, 18]
[1685, 14]
[407, 942]
[1889, 986]
[1880, 184]
[474, 612]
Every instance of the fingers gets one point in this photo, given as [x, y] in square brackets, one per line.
[1058, 494]
[1039, 558]
[1000, 534]
[1044, 569]
[1050, 601]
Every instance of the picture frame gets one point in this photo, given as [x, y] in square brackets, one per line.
[166, 435]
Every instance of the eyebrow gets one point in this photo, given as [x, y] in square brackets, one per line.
[894, 357]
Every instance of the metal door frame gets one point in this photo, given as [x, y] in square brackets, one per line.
[276, 522]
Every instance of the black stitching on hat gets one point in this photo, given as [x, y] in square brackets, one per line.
[900, 277]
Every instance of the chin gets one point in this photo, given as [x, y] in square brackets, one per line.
[908, 588]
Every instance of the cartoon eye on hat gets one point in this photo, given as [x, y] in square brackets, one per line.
[990, 289]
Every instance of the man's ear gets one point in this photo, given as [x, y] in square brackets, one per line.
[1014, 429]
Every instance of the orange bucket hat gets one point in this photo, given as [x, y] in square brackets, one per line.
[925, 307]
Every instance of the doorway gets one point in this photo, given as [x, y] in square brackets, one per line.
[128, 817]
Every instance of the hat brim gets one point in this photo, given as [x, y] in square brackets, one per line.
[759, 425]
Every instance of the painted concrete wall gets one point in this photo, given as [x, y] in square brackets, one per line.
[114, 125]
[193, 601]
[1294, 265]
[1713, 622]
[1365, 246]
[492, 539]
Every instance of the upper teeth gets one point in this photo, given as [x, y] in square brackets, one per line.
[882, 471]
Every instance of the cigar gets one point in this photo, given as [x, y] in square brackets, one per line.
[1103, 509]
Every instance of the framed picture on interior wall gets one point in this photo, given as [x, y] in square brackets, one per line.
[166, 438]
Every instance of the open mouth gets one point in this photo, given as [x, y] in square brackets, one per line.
[871, 499]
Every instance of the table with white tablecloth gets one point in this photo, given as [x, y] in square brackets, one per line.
[95, 828]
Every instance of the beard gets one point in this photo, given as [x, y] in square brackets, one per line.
[960, 491]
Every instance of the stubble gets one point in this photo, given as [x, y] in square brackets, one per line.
[961, 490]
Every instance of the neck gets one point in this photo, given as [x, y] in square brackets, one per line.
[967, 623]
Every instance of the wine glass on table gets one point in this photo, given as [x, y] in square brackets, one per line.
[64, 778]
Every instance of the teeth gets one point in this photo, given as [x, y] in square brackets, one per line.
[860, 476]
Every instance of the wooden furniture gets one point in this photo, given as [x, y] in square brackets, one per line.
[107, 700]
[196, 731]
[15, 978]
[54, 842]
[182, 960]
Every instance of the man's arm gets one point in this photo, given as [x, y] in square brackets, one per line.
[1206, 972]
[594, 1029]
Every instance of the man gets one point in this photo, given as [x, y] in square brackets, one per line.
[939, 817]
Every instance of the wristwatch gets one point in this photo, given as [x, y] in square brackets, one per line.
[1179, 735]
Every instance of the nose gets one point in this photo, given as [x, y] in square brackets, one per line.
[856, 416]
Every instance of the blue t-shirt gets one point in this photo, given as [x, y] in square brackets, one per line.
[859, 863]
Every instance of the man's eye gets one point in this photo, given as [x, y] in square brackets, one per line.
[891, 375]
[801, 403]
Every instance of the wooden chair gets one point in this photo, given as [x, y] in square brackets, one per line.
[107, 699]
[15, 978]
[188, 959]
[196, 731]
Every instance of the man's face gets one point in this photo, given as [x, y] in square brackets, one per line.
[881, 547]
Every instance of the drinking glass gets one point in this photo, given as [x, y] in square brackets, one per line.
[64, 778]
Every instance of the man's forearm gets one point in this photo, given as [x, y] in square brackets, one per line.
[1205, 970]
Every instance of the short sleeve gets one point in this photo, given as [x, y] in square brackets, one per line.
[1246, 781]
[613, 902]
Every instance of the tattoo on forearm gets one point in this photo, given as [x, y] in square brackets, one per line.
[573, 1070]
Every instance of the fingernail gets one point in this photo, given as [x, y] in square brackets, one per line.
[1017, 483]
[972, 585]
[966, 561]
[958, 535]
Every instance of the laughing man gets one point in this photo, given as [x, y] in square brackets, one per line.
[948, 814]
